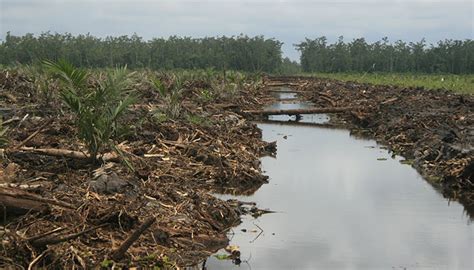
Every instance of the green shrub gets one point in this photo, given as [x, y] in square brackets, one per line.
[172, 96]
[198, 120]
[205, 95]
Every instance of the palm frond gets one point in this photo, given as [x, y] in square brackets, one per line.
[160, 87]
[98, 109]
[67, 73]
[122, 106]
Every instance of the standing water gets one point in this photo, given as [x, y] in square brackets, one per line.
[344, 203]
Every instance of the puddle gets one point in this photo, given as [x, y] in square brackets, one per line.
[344, 203]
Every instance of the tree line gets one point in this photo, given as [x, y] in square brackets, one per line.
[241, 52]
[447, 56]
[237, 52]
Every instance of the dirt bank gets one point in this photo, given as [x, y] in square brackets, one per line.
[432, 129]
[61, 211]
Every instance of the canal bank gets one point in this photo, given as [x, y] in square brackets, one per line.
[342, 202]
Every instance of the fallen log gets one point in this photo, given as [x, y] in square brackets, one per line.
[17, 202]
[295, 99]
[302, 111]
[66, 153]
[287, 91]
[274, 84]
[299, 124]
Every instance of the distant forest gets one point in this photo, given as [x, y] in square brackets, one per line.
[237, 53]
[243, 53]
[448, 56]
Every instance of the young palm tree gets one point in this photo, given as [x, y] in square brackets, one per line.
[171, 96]
[97, 109]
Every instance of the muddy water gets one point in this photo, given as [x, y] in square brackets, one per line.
[344, 203]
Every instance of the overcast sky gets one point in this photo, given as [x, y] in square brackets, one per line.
[289, 21]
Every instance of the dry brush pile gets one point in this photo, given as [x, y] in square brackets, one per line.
[87, 185]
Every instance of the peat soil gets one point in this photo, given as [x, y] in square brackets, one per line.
[61, 211]
[432, 129]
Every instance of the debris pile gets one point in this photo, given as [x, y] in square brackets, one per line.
[149, 206]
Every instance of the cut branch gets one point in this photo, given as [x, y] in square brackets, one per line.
[43, 241]
[36, 237]
[11, 120]
[118, 253]
[47, 123]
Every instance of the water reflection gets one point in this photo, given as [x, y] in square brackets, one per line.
[344, 203]
[307, 118]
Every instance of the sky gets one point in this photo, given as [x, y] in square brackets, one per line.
[290, 21]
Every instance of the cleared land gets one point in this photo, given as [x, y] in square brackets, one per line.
[146, 204]
[145, 200]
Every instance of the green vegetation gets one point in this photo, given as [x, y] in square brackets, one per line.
[448, 56]
[289, 67]
[457, 83]
[234, 53]
[198, 120]
[171, 95]
[243, 53]
[171, 86]
[97, 108]
[106, 264]
[222, 257]
[206, 95]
